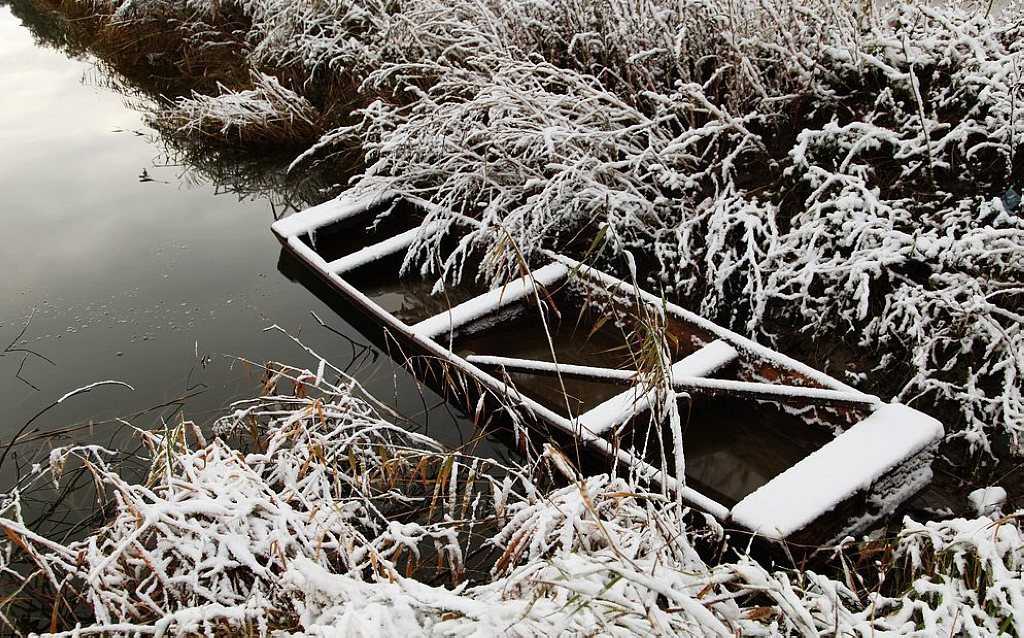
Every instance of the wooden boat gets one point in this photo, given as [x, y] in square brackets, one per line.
[771, 445]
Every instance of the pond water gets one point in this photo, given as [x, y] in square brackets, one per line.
[119, 265]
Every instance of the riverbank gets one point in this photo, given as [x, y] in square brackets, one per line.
[311, 514]
[844, 171]
[847, 172]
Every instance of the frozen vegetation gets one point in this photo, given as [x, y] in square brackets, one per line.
[326, 519]
[845, 169]
[849, 169]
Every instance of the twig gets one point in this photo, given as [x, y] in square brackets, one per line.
[77, 391]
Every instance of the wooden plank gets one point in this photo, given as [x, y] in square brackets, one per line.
[848, 465]
[537, 366]
[490, 301]
[626, 406]
[327, 213]
[710, 358]
[770, 392]
[372, 253]
[694, 385]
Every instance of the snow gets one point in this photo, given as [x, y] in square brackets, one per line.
[382, 249]
[331, 211]
[616, 411]
[619, 409]
[850, 463]
[987, 501]
[551, 367]
[308, 254]
[266, 113]
[706, 360]
[491, 301]
[92, 386]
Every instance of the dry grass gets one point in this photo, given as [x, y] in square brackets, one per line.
[323, 517]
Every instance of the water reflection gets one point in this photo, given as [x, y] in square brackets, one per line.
[128, 258]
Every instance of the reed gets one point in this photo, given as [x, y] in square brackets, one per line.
[312, 512]
[829, 167]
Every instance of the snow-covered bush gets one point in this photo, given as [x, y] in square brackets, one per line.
[843, 166]
[205, 542]
[261, 115]
[330, 520]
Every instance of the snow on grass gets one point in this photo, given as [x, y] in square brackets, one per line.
[263, 114]
[838, 168]
[326, 519]
[841, 167]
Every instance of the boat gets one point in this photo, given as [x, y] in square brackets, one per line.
[762, 442]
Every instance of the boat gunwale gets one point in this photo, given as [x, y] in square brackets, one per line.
[291, 228]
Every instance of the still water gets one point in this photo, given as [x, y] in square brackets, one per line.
[120, 265]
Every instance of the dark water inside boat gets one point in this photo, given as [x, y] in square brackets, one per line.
[734, 446]
[349, 235]
[119, 261]
[564, 395]
[565, 340]
[411, 298]
[572, 341]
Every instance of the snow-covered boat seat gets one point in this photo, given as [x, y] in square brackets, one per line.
[877, 463]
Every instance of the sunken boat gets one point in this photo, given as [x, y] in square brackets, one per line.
[769, 445]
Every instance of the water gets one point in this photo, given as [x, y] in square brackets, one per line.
[119, 266]
[575, 341]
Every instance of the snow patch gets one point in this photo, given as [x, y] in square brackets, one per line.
[335, 210]
[987, 500]
[622, 407]
[491, 301]
[848, 464]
